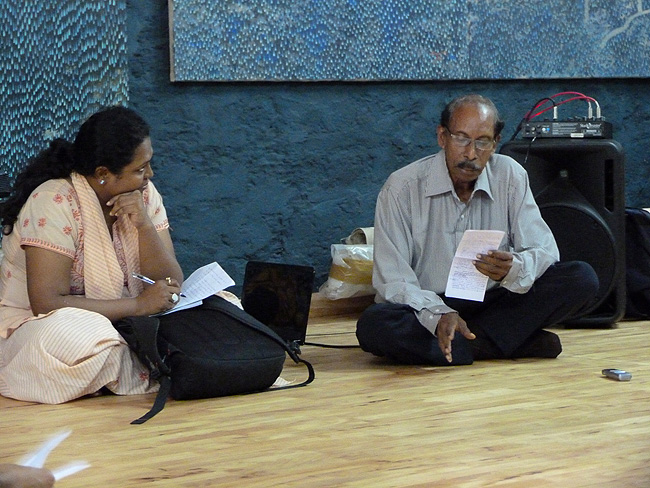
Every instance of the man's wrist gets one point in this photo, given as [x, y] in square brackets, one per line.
[428, 319]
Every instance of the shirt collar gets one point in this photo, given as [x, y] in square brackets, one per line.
[439, 181]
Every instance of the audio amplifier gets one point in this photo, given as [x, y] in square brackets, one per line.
[575, 129]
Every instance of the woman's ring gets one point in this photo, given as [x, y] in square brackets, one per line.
[174, 298]
[168, 280]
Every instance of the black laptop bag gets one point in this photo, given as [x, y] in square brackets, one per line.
[215, 349]
[637, 263]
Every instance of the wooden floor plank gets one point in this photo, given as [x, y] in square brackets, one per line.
[366, 422]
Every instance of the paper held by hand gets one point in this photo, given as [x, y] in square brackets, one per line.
[465, 281]
[205, 281]
[37, 458]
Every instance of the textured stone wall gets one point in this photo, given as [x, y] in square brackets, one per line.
[279, 171]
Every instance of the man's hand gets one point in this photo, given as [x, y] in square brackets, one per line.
[494, 264]
[448, 324]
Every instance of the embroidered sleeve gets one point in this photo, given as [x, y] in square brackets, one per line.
[50, 219]
[154, 203]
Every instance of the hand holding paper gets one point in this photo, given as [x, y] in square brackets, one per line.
[465, 281]
[495, 264]
[205, 281]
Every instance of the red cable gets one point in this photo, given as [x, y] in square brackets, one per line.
[580, 97]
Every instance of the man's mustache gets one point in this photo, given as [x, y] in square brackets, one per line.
[469, 165]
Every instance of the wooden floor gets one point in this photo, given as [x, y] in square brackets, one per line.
[365, 422]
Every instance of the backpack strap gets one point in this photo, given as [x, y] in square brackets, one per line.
[146, 333]
[159, 403]
[293, 348]
[141, 333]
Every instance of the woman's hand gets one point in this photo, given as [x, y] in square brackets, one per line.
[158, 297]
[130, 204]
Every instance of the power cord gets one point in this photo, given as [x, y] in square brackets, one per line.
[528, 115]
[333, 346]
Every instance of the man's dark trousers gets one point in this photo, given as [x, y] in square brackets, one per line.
[565, 291]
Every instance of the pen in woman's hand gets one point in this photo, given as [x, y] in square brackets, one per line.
[140, 277]
[149, 281]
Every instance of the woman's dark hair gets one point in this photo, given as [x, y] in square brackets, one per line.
[108, 138]
[473, 99]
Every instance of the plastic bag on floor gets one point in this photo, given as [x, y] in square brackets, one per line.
[351, 272]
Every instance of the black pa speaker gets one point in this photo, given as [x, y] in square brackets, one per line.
[579, 186]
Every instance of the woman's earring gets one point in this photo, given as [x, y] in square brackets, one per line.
[101, 182]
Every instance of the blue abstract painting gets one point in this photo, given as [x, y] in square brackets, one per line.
[59, 62]
[348, 40]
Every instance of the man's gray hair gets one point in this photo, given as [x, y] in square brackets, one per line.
[473, 99]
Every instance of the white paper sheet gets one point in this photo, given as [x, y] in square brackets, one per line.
[69, 469]
[37, 458]
[205, 281]
[465, 281]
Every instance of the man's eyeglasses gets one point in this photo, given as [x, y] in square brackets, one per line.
[462, 141]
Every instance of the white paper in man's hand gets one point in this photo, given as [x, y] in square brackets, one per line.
[465, 281]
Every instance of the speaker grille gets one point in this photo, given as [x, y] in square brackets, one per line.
[582, 235]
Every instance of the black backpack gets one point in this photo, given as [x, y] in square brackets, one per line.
[215, 349]
[637, 263]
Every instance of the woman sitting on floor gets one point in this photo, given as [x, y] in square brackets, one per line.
[81, 219]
